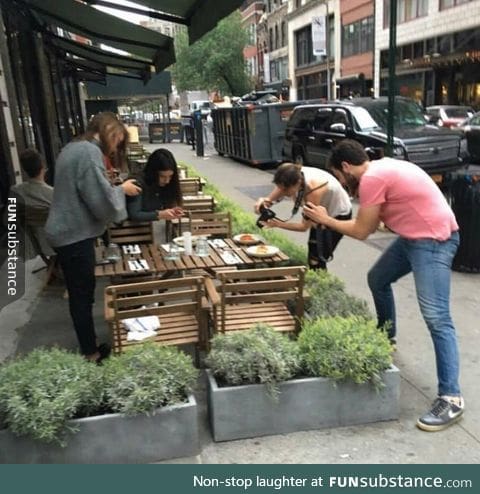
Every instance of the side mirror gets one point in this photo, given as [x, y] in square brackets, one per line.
[339, 128]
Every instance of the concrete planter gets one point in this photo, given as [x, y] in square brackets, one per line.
[171, 433]
[303, 404]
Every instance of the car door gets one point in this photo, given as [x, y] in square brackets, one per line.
[316, 146]
[336, 129]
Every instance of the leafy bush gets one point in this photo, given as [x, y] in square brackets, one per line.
[258, 355]
[327, 297]
[39, 393]
[350, 348]
[147, 377]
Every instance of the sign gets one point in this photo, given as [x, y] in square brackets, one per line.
[266, 68]
[319, 35]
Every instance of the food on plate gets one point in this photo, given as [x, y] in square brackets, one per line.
[247, 238]
[262, 249]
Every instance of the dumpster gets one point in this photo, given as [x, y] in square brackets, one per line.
[253, 133]
[465, 201]
[165, 131]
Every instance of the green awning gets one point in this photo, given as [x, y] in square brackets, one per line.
[199, 15]
[100, 27]
[83, 52]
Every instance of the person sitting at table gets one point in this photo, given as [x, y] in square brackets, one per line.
[161, 198]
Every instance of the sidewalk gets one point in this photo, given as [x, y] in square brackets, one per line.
[44, 320]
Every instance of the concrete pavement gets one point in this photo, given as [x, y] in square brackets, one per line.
[45, 321]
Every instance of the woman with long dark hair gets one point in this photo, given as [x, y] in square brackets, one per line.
[161, 198]
[84, 202]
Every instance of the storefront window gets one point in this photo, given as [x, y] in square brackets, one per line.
[446, 4]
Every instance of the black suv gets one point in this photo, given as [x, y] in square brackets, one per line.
[313, 129]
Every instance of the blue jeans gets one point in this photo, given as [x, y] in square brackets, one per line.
[430, 261]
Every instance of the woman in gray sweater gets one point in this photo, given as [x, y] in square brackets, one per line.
[84, 202]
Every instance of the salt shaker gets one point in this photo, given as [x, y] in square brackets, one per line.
[187, 243]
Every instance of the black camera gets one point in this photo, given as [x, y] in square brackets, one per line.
[265, 215]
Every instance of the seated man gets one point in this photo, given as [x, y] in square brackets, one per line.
[34, 192]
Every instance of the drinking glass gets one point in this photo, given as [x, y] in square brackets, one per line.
[173, 252]
[113, 253]
[201, 248]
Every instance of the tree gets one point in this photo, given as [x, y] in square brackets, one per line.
[216, 61]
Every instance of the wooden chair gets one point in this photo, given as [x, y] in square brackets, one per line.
[34, 218]
[245, 297]
[130, 232]
[190, 186]
[213, 224]
[199, 204]
[176, 302]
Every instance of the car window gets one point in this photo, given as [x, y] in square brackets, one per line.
[340, 116]
[457, 112]
[434, 113]
[302, 118]
[407, 113]
[475, 120]
[362, 119]
[322, 119]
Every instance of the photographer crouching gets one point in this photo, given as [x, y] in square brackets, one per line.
[306, 184]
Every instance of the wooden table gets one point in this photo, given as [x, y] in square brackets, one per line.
[155, 257]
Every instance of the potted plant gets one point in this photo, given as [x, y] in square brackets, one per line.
[56, 407]
[262, 383]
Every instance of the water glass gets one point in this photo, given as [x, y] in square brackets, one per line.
[173, 253]
[113, 253]
[201, 248]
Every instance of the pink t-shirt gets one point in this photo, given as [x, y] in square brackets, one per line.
[411, 204]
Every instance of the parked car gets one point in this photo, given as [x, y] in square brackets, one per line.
[448, 115]
[313, 129]
[471, 129]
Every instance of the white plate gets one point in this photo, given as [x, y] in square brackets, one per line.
[179, 240]
[262, 250]
[254, 239]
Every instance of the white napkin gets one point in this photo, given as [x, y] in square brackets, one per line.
[218, 242]
[138, 265]
[140, 328]
[230, 258]
[131, 249]
[166, 248]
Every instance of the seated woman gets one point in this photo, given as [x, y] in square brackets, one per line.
[161, 198]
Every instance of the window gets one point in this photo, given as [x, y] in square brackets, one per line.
[270, 40]
[322, 119]
[277, 39]
[446, 4]
[358, 37]
[284, 33]
[407, 10]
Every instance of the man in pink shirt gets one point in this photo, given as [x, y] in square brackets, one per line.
[406, 199]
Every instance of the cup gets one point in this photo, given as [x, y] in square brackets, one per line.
[187, 243]
[201, 248]
[112, 253]
[173, 253]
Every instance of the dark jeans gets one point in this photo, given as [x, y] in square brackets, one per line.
[78, 264]
[321, 244]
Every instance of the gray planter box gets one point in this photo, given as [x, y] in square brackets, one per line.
[303, 404]
[171, 433]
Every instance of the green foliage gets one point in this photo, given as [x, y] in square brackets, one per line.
[147, 377]
[350, 348]
[258, 355]
[328, 297]
[215, 61]
[39, 393]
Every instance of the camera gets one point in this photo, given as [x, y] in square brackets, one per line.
[265, 215]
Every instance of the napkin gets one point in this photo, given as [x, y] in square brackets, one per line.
[218, 242]
[140, 328]
[230, 258]
[166, 248]
[131, 249]
[138, 265]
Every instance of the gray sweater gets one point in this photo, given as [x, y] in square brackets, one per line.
[84, 202]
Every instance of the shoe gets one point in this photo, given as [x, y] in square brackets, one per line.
[393, 343]
[104, 349]
[442, 414]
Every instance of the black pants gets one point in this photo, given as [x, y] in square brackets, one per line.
[321, 244]
[78, 264]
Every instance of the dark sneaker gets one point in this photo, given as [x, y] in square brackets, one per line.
[442, 414]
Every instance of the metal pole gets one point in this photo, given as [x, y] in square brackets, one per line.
[327, 28]
[392, 51]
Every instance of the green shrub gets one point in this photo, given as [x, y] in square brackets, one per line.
[258, 355]
[146, 377]
[345, 349]
[39, 393]
[327, 297]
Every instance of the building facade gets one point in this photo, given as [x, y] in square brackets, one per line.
[438, 50]
[252, 12]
